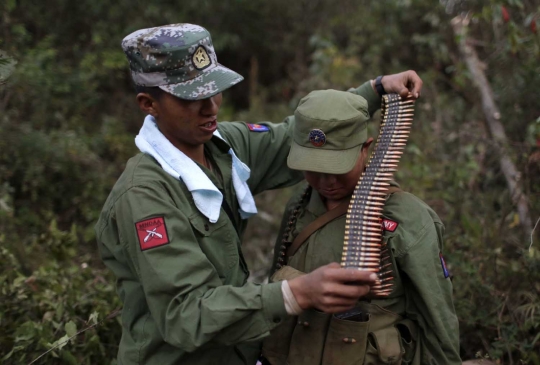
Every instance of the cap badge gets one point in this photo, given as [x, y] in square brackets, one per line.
[200, 58]
[317, 137]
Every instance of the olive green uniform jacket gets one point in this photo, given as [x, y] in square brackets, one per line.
[422, 292]
[188, 301]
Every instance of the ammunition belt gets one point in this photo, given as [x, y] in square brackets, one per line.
[363, 248]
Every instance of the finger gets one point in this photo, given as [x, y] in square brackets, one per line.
[351, 291]
[351, 275]
[404, 93]
[333, 265]
[332, 302]
[416, 83]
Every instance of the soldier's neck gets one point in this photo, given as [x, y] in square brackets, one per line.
[332, 204]
[196, 153]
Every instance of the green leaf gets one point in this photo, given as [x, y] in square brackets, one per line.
[59, 312]
[61, 342]
[93, 318]
[8, 355]
[71, 328]
[68, 358]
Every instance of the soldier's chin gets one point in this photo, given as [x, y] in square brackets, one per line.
[333, 194]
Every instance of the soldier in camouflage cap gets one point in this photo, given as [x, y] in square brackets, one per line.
[179, 59]
[174, 247]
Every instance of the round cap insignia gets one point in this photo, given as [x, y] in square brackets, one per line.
[200, 58]
[317, 137]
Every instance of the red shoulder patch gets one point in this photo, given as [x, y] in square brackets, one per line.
[152, 232]
[389, 225]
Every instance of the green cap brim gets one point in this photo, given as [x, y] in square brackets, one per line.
[210, 83]
[323, 160]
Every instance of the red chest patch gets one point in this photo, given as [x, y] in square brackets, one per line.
[152, 232]
[389, 225]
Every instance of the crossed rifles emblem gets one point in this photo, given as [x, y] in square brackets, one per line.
[151, 234]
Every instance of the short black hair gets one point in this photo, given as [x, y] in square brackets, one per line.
[153, 91]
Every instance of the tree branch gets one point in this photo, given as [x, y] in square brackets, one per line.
[492, 115]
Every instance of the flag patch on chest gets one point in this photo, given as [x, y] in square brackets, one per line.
[152, 232]
[258, 127]
[389, 225]
[443, 264]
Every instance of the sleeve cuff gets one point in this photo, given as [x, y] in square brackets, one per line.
[291, 305]
[273, 304]
[366, 91]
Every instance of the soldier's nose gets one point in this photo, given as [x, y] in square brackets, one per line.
[210, 106]
[328, 179]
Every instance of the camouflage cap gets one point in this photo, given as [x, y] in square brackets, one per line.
[329, 131]
[179, 59]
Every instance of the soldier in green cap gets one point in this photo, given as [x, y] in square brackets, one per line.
[171, 227]
[416, 323]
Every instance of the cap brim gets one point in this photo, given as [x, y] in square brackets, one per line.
[211, 82]
[323, 160]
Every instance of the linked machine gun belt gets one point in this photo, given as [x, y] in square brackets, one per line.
[363, 247]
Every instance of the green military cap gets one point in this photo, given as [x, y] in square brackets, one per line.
[179, 59]
[330, 129]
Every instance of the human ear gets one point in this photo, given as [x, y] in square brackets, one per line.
[365, 148]
[368, 143]
[147, 104]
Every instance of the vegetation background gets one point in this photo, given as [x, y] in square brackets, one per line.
[68, 119]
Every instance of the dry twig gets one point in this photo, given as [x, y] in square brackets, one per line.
[110, 316]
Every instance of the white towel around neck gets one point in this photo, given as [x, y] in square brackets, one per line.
[206, 195]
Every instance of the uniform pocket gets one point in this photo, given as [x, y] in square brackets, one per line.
[308, 338]
[407, 331]
[346, 342]
[276, 346]
[384, 347]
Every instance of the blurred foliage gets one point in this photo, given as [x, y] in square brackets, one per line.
[68, 119]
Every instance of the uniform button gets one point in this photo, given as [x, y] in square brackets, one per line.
[206, 227]
[277, 319]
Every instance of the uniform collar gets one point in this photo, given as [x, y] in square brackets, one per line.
[222, 145]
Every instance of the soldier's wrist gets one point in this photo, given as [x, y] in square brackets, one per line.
[297, 287]
[372, 83]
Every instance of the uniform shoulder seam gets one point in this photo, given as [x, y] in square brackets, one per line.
[132, 186]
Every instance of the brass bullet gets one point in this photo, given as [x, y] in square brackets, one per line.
[363, 247]
[372, 256]
[384, 273]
